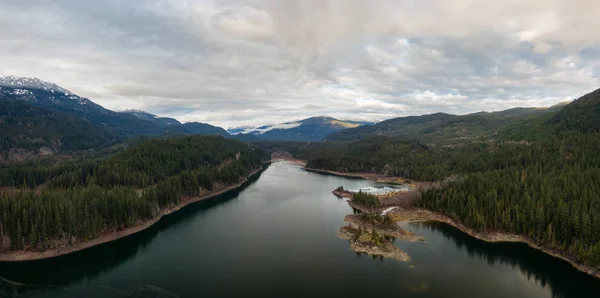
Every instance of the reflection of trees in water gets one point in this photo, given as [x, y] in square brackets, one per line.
[100, 292]
[561, 278]
[64, 270]
[359, 255]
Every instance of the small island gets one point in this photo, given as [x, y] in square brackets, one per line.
[372, 243]
[385, 225]
[371, 229]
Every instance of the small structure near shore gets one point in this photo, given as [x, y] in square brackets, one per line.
[371, 229]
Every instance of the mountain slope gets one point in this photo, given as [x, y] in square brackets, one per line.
[445, 129]
[48, 95]
[582, 114]
[204, 129]
[127, 123]
[310, 129]
[160, 121]
[27, 131]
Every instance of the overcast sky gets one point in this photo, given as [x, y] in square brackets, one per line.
[237, 62]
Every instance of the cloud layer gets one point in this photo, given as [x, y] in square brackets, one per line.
[241, 62]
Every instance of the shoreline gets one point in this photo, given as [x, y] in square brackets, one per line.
[291, 160]
[396, 232]
[23, 256]
[385, 249]
[423, 215]
[365, 176]
[490, 236]
[378, 178]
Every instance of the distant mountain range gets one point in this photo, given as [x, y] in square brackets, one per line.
[447, 129]
[41, 118]
[310, 129]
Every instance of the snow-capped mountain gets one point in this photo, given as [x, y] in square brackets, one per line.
[33, 89]
[51, 96]
[258, 130]
[18, 82]
[310, 129]
[143, 115]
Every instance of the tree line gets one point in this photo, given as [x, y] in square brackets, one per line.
[67, 203]
[547, 190]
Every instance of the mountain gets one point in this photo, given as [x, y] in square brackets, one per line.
[198, 128]
[310, 129]
[581, 115]
[29, 131]
[49, 95]
[130, 122]
[41, 118]
[160, 121]
[195, 128]
[446, 129]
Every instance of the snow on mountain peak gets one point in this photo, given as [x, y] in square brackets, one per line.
[22, 86]
[139, 112]
[32, 83]
[262, 129]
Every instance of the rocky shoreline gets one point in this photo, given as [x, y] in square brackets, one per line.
[409, 214]
[20, 256]
[392, 230]
[422, 215]
[362, 242]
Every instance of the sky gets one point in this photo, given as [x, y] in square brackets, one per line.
[253, 62]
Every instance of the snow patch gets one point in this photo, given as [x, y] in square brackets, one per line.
[262, 129]
[32, 83]
[21, 92]
[388, 210]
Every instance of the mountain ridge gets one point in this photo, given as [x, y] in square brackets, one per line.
[309, 129]
[444, 128]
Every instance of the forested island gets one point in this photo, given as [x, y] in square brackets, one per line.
[52, 209]
[538, 178]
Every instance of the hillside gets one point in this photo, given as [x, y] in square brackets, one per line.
[51, 96]
[203, 129]
[388, 156]
[310, 129]
[582, 114]
[160, 121]
[446, 129]
[127, 123]
[29, 131]
[95, 197]
[545, 189]
[40, 118]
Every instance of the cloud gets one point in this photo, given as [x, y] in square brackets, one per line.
[241, 62]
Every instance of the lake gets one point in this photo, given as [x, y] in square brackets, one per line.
[276, 237]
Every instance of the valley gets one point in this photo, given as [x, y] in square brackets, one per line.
[75, 175]
[294, 148]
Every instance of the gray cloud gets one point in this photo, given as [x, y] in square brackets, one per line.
[263, 61]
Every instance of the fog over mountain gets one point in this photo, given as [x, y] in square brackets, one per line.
[252, 62]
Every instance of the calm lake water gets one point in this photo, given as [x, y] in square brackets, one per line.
[277, 238]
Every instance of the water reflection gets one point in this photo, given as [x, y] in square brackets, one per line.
[17, 277]
[557, 274]
[278, 240]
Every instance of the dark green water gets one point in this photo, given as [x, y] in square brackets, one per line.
[276, 238]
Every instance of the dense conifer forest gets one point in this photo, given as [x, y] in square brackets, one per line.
[539, 179]
[47, 206]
